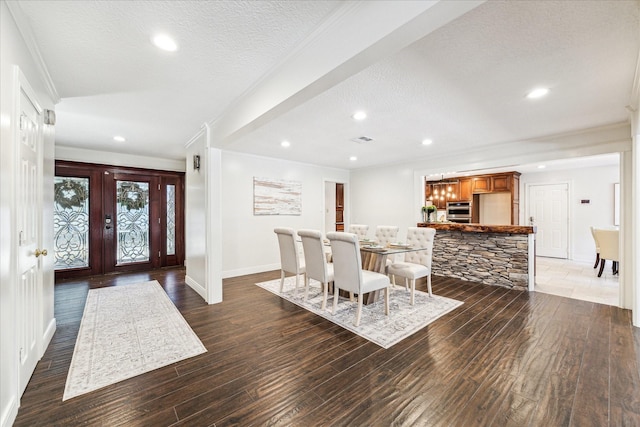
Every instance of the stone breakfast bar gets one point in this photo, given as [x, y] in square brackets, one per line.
[500, 255]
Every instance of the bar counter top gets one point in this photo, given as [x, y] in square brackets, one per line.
[479, 228]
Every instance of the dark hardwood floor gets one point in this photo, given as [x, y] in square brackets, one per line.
[504, 358]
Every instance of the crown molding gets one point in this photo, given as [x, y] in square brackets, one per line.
[27, 35]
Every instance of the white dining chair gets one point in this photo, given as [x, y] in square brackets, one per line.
[416, 264]
[608, 242]
[290, 259]
[359, 229]
[595, 241]
[386, 234]
[316, 263]
[349, 275]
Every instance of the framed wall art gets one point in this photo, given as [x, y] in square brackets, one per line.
[276, 197]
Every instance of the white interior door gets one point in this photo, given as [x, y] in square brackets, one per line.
[549, 212]
[29, 217]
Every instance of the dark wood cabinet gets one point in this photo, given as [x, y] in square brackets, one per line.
[433, 192]
[465, 190]
[481, 184]
[468, 189]
[501, 183]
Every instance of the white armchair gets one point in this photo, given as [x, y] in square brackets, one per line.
[316, 263]
[349, 275]
[290, 259]
[416, 264]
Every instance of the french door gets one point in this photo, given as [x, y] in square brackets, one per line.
[116, 219]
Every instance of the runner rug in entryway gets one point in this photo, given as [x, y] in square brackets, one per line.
[127, 331]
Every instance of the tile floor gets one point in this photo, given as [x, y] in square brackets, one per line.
[577, 280]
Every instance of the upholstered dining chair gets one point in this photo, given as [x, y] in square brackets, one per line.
[416, 264]
[291, 260]
[316, 263]
[349, 275]
[608, 241]
[386, 234]
[593, 233]
[360, 229]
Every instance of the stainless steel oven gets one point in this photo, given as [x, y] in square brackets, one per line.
[459, 212]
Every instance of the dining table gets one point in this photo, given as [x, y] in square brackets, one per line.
[374, 258]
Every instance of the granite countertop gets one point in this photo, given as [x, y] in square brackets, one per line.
[479, 228]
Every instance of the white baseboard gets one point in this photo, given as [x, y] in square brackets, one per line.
[9, 413]
[196, 287]
[48, 335]
[249, 270]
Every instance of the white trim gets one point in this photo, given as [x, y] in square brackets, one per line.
[196, 286]
[608, 139]
[10, 413]
[250, 270]
[27, 35]
[48, 335]
[213, 217]
[84, 155]
[195, 138]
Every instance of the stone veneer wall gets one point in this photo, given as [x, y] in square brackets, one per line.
[491, 258]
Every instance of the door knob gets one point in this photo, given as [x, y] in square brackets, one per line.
[40, 252]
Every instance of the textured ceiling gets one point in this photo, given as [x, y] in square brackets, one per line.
[463, 85]
[113, 81]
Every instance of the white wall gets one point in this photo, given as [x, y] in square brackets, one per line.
[195, 216]
[386, 196]
[594, 184]
[14, 51]
[249, 242]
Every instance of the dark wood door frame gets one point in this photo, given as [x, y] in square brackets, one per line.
[102, 243]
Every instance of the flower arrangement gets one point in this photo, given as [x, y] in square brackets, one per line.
[427, 211]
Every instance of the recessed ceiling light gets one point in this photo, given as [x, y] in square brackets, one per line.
[541, 166]
[538, 93]
[427, 142]
[353, 158]
[359, 115]
[119, 138]
[165, 42]
[285, 143]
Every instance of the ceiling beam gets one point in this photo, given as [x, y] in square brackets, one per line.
[355, 36]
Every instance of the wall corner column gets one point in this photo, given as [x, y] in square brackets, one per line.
[213, 227]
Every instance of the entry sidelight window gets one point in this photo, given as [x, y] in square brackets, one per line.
[71, 222]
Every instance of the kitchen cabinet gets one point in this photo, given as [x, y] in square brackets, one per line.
[433, 193]
[465, 190]
[481, 184]
[501, 183]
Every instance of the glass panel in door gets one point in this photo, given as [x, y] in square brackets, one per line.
[71, 222]
[171, 219]
[132, 210]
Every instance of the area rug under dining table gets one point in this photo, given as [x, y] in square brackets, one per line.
[126, 331]
[403, 320]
